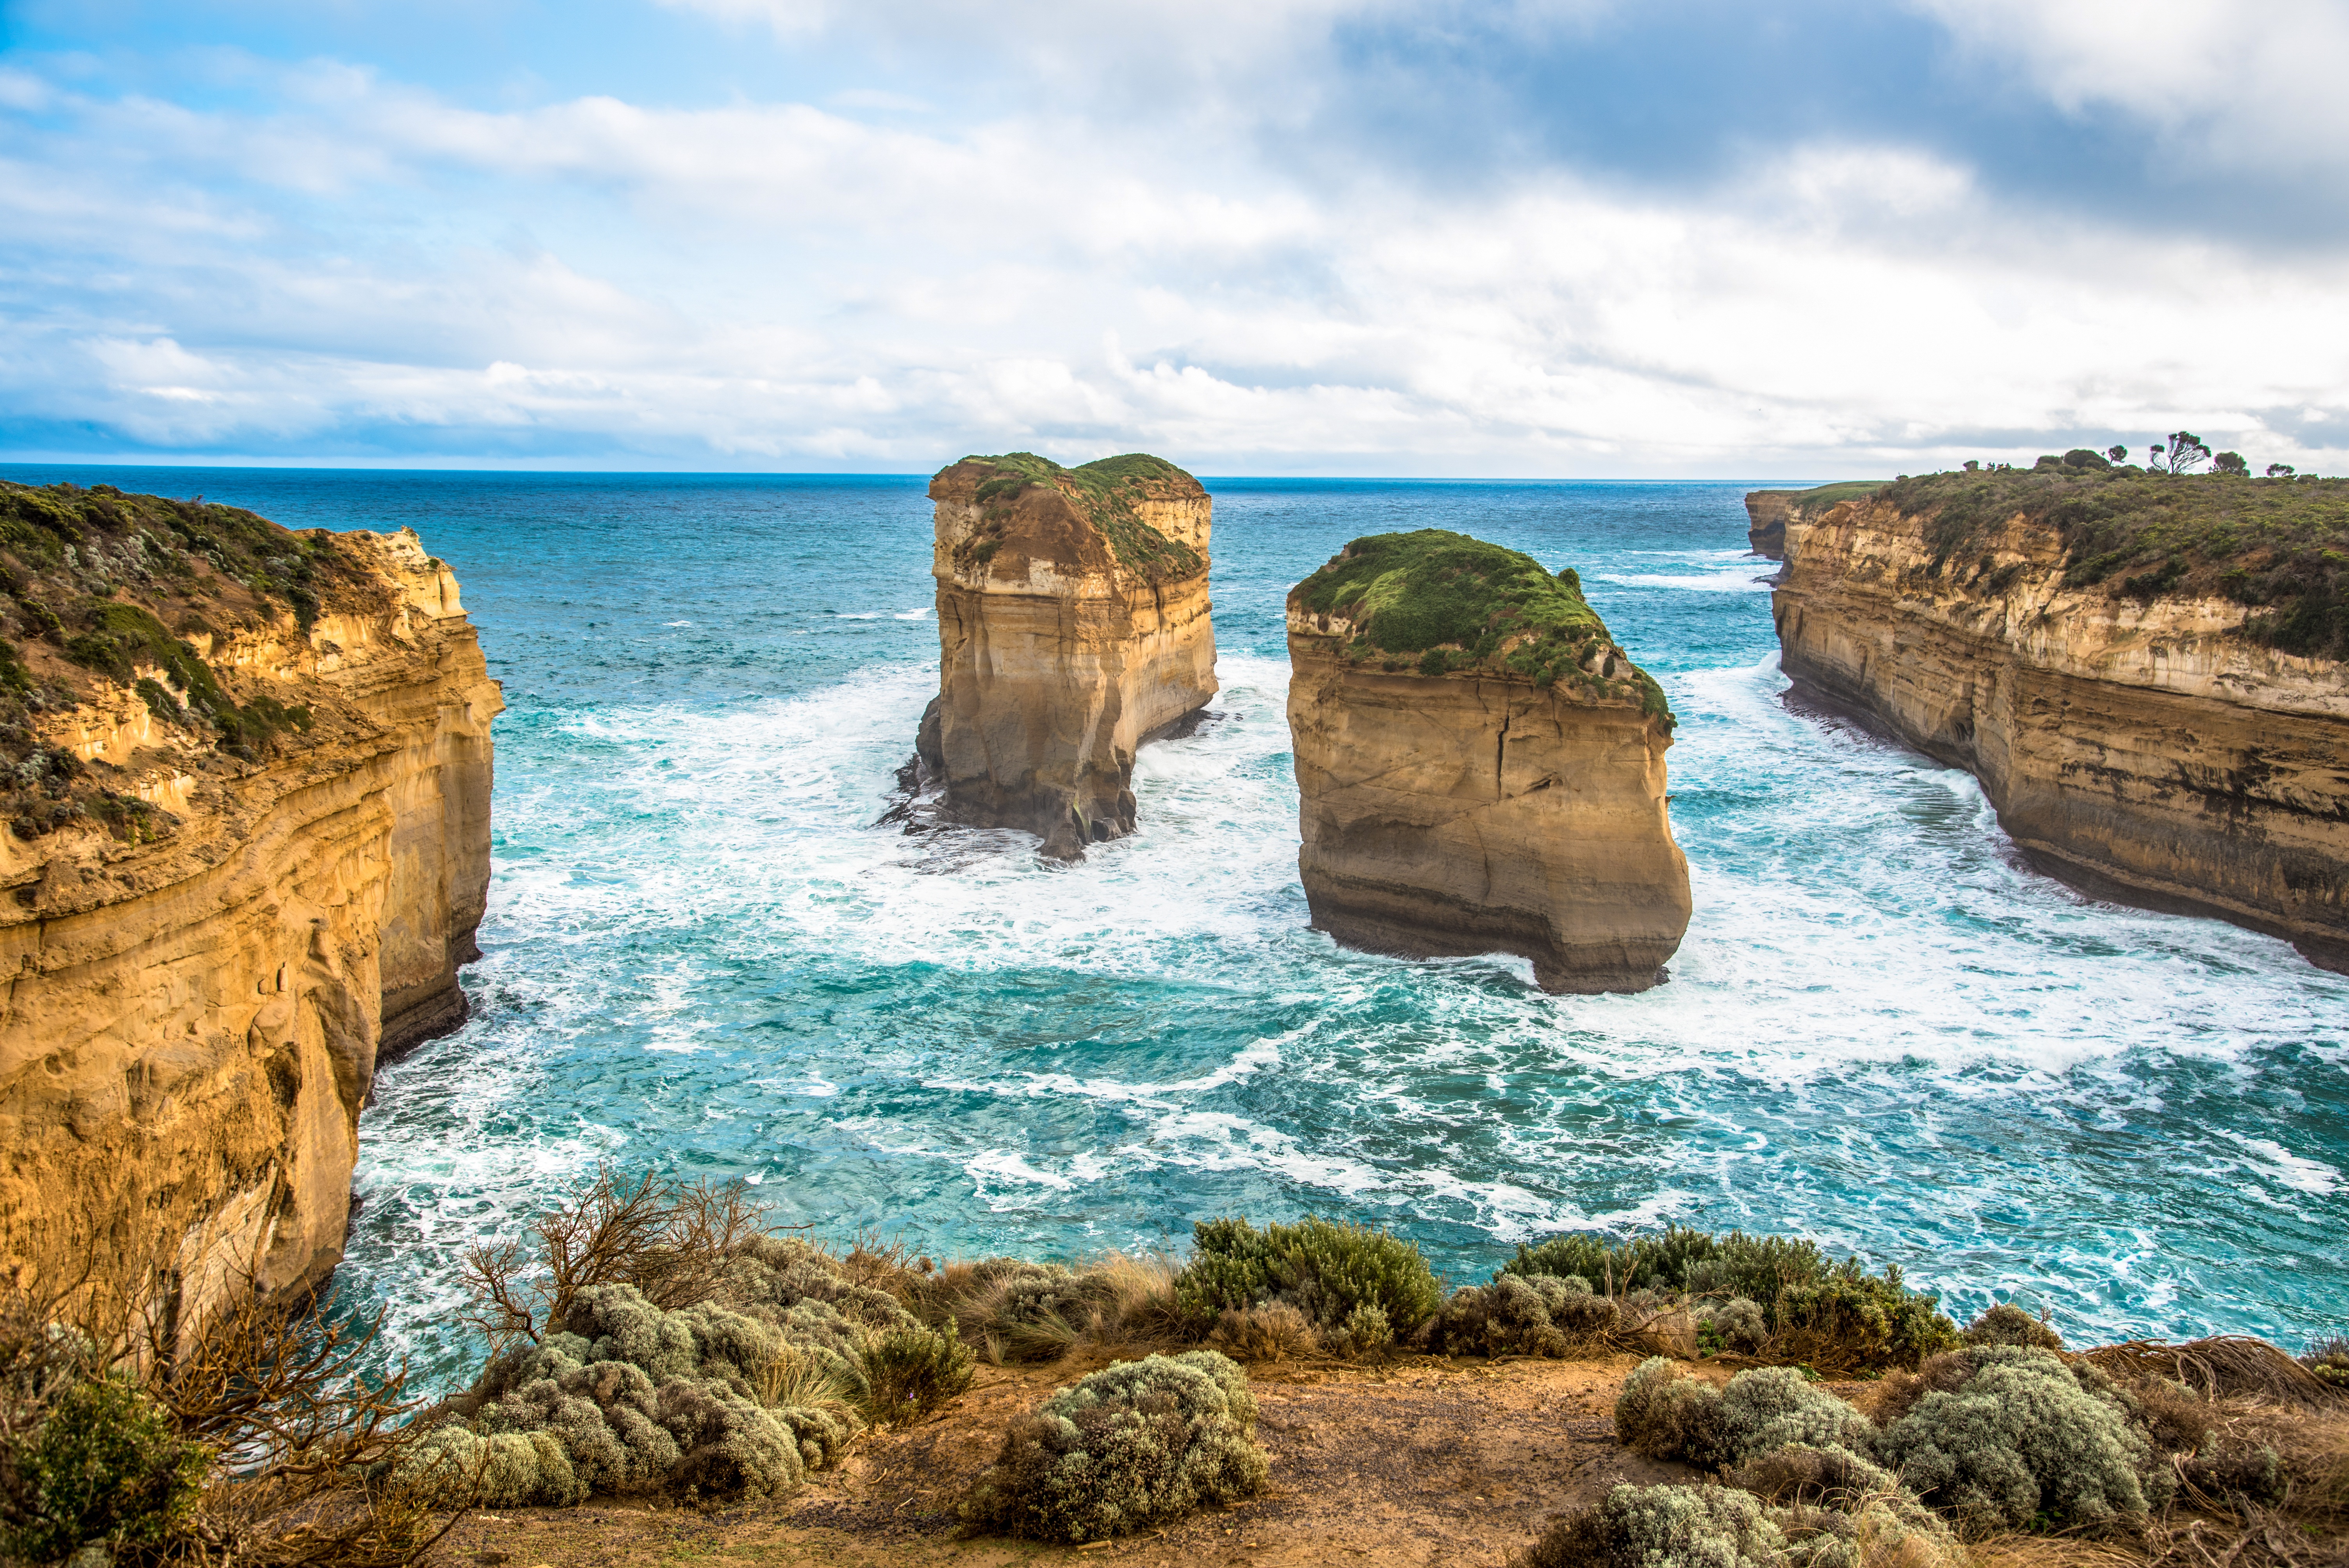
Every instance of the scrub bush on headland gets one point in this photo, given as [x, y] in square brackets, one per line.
[1775, 1298]
[1135, 1444]
[1361, 1289]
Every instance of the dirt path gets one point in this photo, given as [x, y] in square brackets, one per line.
[1423, 1462]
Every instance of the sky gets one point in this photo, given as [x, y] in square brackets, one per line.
[1529, 238]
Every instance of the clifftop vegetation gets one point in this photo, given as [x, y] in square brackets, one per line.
[2277, 546]
[1820, 497]
[100, 583]
[1106, 491]
[1461, 604]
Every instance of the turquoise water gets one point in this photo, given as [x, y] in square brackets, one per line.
[1882, 1030]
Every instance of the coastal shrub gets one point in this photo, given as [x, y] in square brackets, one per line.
[1667, 1415]
[2021, 1439]
[1359, 1288]
[106, 1466]
[1523, 1316]
[458, 1468]
[1814, 1310]
[1664, 1527]
[2007, 1324]
[1815, 1476]
[637, 1399]
[1737, 1327]
[1137, 1444]
[911, 1371]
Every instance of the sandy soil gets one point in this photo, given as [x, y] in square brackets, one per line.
[1425, 1462]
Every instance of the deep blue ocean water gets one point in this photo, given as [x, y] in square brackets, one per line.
[1882, 1031]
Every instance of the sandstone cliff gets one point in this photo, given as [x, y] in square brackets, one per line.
[2113, 654]
[1479, 767]
[1073, 627]
[1769, 512]
[247, 780]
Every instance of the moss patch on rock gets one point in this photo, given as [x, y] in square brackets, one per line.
[1441, 604]
[2277, 546]
[1106, 491]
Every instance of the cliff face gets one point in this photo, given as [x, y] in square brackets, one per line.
[1769, 512]
[2136, 743]
[1073, 626]
[249, 858]
[1765, 513]
[1500, 789]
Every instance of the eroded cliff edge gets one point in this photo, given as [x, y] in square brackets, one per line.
[2144, 671]
[1769, 512]
[1073, 626]
[1480, 769]
[248, 790]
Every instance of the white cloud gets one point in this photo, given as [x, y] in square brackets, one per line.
[2249, 88]
[365, 267]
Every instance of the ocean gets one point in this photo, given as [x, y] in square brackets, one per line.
[1883, 1031]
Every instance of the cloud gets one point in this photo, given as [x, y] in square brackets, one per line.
[336, 263]
[2248, 91]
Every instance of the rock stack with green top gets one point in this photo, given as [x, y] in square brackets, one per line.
[1073, 627]
[1480, 767]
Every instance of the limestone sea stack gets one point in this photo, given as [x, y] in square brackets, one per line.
[1769, 512]
[1480, 768]
[1073, 628]
[2145, 671]
[248, 787]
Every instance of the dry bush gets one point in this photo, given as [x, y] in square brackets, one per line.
[2223, 1367]
[1010, 1309]
[1273, 1332]
[670, 1240]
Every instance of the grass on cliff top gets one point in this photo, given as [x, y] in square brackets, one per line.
[1106, 489]
[2279, 547]
[111, 583]
[1460, 603]
[1821, 497]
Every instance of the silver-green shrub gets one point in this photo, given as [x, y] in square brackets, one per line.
[1665, 1527]
[1521, 1315]
[1736, 1324]
[1135, 1444]
[1667, 1416]
[625, 1396]
[2026, 1438]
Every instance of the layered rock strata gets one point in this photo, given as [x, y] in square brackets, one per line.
[2135, 741]
[1073, 627]
[1769, 512]
[1480, 768]
[251, 795]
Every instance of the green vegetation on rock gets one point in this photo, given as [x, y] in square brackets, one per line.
[2277, 546]
[1442, 604]
[1107, 490]
[1821, 497]
[114, 583]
